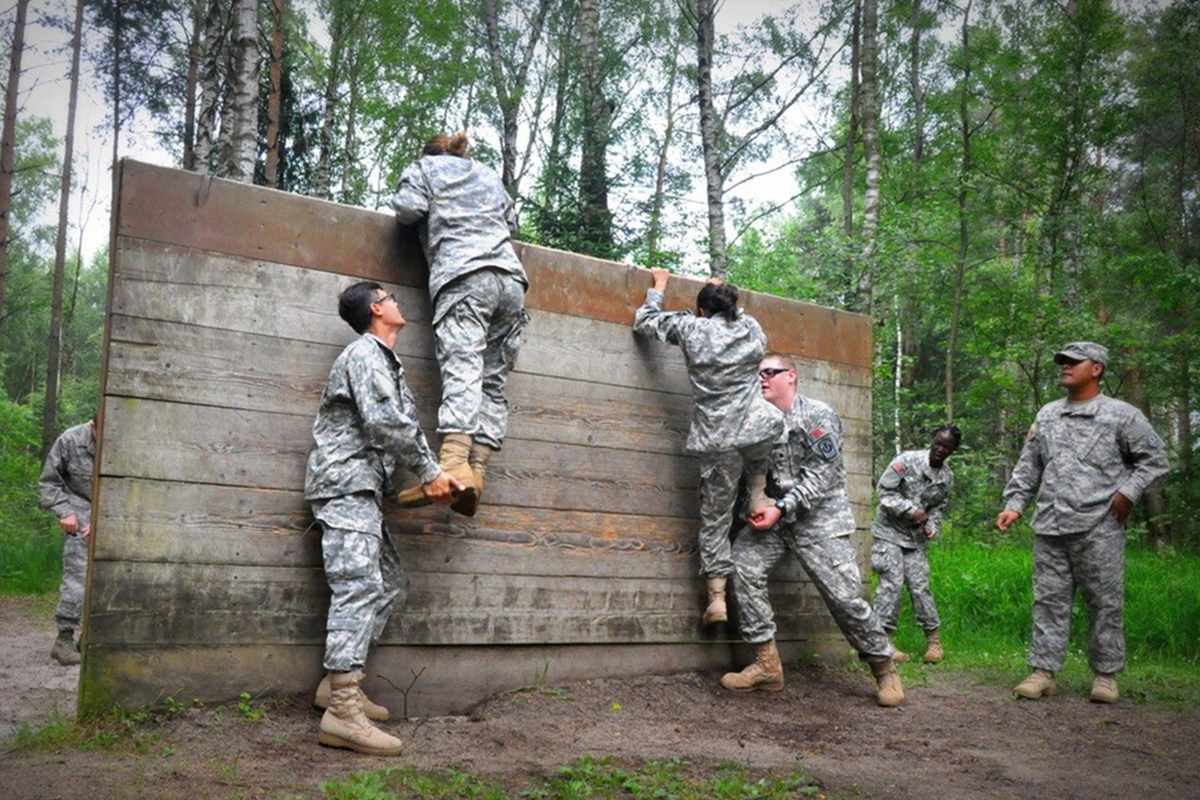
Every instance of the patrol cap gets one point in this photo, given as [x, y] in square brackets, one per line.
[1082, 351]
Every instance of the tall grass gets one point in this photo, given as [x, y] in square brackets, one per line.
[30, 539]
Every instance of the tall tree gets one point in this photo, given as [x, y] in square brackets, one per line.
[54, 346]
[215, 33]
[870, 120]
[595, 217]
[8, 142]
[706, 33]
[193, 81]
[275, 93]
[241, 144]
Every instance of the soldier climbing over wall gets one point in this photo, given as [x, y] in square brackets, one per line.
[65, 487]
[811, 517]
[365, 427]
[477, 286]
[1092, 457]
[912, 493]
[732, 426]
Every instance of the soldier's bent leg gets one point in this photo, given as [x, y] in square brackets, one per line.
[1099, 563]
[832, 565]
[754, 554]
[460, 338]
[356, 583]
[916, 575]
[503, 345]
[887, 560]
[74, 578]
[719, 476]
[1053, 594]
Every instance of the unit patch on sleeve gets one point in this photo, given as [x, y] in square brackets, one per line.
[824, 444]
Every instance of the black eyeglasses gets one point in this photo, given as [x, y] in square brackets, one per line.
[770, 372]
[388, 296]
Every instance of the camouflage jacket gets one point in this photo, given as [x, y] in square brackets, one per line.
[467, 219]
[910, 484]
[366, 425]
[722, 359]
[807, 472]
[1080, 455]
[65, 485]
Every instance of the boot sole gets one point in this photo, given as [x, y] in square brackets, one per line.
[715, 620]
[413, 498]
[1048, 692]
[330, 740]
[889, 704]
[768, 687]
[466, 502]
[1106, 700]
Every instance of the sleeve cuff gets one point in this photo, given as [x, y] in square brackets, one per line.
[429, 471]
[655, 296]
[1015, 505]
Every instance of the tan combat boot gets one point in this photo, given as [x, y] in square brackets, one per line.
[716, 611]
[345, 725]
[891, 693]
[453, 461]
[764, 675]
[478, 459]
[1104, 688]
[374, 711]
[756, 492]
[933, 648]
[64, 651]
[1040, 683]
[898, 655]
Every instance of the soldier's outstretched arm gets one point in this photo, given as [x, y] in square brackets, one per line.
[390, 418]
[411, 200]
[52, 484]
[666, 326]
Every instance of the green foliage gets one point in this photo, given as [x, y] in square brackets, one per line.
[246, 707]
[30, 539]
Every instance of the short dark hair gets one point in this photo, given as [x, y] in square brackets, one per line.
[948, 428]
[718, 298]
[354, 304]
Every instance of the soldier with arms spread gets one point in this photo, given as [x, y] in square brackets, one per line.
[912, 494]
[1092, 457]
[65, 487]
[365, 427]
[812, 518]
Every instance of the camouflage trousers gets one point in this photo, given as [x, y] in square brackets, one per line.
[479, 319]
[832, 566]
[897, 566]
[366, 581]
[720, 474]
[1095, 563]
[74, 577]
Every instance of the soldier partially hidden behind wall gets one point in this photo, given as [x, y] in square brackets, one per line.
[366, 426]
[65, 487]
[1092, 458]
[811, 517]
[912, 493]
[466, 221]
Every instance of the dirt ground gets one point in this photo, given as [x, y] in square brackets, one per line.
[954, 738]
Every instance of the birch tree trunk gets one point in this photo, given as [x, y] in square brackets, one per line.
[706, 14]
[8, 142]
[193, 80]
[271, 170]
[654, 231]
[241, 145]
[848, 158]
[597, 117]
[964, 179]
[117, 50]
[210, 85]
[54, 345]
[337, 32]
[870, 119]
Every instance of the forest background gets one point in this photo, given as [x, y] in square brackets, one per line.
[986, 179]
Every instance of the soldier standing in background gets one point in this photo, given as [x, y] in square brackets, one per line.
[365, 427]
[65, 487]
[811, 517]
[477, 286]
[1092, 458]
[732, 426]
[912, 495]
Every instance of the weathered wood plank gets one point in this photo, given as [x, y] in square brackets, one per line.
[146, 603]
[253, 222]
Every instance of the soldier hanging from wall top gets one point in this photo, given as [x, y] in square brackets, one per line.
[732, 425]
[912, 493]
[1088, 458]
[66, 491]
[366, 426]
[810, 517]
[477, 285]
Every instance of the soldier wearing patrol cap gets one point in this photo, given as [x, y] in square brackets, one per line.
[1092, 457]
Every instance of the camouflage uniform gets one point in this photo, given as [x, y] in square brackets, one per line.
[808, 479]
[66, 488]
[732, 425]
[1081, 454]
[477, 285]
[900, 551]
[366, 425]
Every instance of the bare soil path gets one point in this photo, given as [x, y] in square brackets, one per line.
[954, 738]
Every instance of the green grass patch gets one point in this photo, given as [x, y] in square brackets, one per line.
[984, 594]
[585, 779]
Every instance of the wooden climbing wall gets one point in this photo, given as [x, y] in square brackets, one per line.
[206, 578]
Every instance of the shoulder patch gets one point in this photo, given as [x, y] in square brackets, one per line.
[899, 467]
[826, 447]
